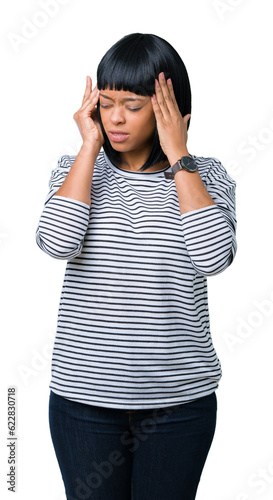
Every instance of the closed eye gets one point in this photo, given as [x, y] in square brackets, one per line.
[107, 106]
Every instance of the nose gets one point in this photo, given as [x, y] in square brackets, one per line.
[117, 115]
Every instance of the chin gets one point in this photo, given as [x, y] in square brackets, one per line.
[120, 148]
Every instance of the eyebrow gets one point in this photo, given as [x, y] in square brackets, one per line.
[124, 99]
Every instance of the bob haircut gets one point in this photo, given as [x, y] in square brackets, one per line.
[132, 64]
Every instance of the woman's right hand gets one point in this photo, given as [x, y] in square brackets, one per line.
[87, 119]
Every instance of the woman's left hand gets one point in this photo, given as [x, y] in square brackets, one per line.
[171, 126]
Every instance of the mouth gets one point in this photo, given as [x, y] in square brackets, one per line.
[117, 136]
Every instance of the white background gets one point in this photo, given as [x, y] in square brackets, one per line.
[227, 48]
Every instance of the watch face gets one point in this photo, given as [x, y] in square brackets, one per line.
[188, 163]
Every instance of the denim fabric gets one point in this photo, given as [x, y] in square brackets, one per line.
[115, 454]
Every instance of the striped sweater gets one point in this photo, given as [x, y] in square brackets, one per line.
[133, 325]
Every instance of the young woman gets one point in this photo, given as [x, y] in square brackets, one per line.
[142, 224]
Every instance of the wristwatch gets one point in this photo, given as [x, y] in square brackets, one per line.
[185, 163]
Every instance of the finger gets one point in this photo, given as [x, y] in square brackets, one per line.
[156, 107]
[91, 100]
[88, 89]
[186, 119]
[161, 99]
[172, 94]
[168, 97]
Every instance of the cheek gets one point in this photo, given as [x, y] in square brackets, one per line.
[104, 121]
[149, 124]
[150, 118]
[153, 121]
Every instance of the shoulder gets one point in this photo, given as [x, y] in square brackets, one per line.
[64, 164]
[206, 163]
[61, 170]
[66, 161]
[211, 169]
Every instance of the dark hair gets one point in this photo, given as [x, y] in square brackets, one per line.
[132, 64]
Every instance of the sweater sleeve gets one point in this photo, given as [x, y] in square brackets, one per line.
[210, 232]
[64, 221]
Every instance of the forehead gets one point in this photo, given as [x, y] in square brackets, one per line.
[121, 95]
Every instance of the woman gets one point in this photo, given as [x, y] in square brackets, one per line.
[142, 223]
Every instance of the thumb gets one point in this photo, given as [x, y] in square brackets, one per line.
[186, 119]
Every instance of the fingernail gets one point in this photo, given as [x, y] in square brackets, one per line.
[162, 76]
[156, 83]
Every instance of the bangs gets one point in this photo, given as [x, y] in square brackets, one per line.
[121, 75]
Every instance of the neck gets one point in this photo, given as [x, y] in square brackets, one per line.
[133, 163]
[132, 160]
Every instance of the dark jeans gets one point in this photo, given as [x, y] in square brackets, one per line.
[114, 454]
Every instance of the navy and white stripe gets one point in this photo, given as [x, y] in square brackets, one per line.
[133, 326]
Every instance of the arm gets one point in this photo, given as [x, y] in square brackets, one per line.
[207, 208]
[210, 232]
[64, 220]
[191, 191]
[77, 184]
[65, 217]
[172, 129]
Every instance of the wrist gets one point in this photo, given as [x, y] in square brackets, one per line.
[177, 155]
[90, 149]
